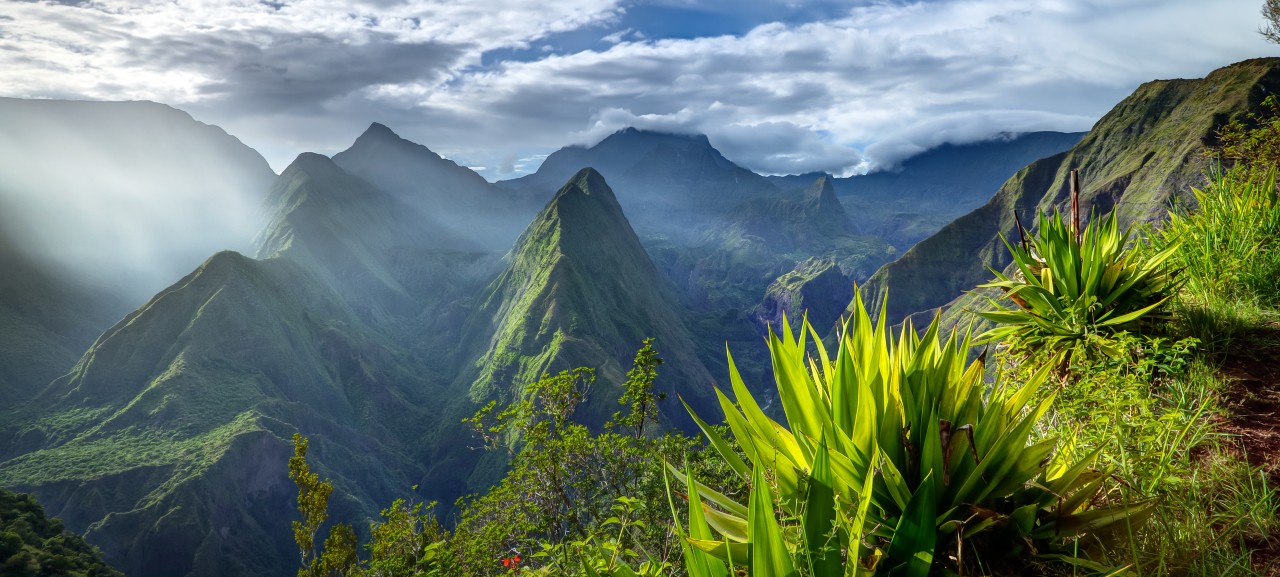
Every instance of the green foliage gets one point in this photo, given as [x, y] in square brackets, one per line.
[1231, 239]
[1072, 291]
[639, 396]
[1252, 139]
[338, 556]
[571, 495]
[574, 502]
[1136, 405]
[408, 542]
[926, 468]
[32, 545]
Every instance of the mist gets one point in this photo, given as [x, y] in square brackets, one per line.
[126, 196]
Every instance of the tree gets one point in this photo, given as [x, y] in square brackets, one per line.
[1271, 13]
[407, 543]
[338, 556]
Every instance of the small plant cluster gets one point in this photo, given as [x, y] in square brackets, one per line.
[1072, 289]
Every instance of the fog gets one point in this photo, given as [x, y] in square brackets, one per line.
[127, 196]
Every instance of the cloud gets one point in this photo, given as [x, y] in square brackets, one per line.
[850, 88]
[294, 72]
[965, 128]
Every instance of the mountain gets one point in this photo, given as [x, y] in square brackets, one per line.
[352, 234]
[905, 204]
[47, 319]
[719, 233]
[580, 290]
[1148, 149]
[125, 196]
[669, 184]
[815, 288]
[101, 205]
[464, 202]
[167, 441]
[804, 217]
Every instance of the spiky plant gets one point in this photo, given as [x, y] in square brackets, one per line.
[894, 458]
[1071, 289]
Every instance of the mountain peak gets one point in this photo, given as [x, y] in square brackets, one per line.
[379, 134]
[583, 209]
[635, 136]
[379, 129]
[579, 289]
[588, 182]
[823, 193]
[308, 161]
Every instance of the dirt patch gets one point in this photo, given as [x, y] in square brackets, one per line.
[1253, 403]
[1253, 400]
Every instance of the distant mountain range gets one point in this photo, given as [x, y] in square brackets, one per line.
[392, 292]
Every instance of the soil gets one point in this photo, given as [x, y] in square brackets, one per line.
[1253, 401]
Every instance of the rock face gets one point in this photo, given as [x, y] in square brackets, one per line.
[815, 288]
[1147, 150]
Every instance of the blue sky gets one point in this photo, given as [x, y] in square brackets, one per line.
[780, 87]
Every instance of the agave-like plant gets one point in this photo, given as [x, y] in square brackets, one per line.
[893, 458]
[1071, 287]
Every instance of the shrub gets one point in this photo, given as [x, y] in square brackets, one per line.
[1230, 241]
[894, 453]
[1071, 291]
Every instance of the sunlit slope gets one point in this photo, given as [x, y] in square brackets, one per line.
[1146, 150]
[47, 319]
[579, 290]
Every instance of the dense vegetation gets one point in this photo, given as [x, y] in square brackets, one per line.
[32, 545]
[1093, 444]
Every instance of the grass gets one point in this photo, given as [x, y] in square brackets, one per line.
[1158, 410]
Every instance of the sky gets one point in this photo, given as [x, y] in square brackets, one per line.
[780, 87]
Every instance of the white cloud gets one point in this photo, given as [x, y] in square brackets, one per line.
[881, 81]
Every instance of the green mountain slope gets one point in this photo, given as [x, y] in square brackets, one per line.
[579, 290]
[97, 205]
[353, 235]
[1148, 148]
[167, 441]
